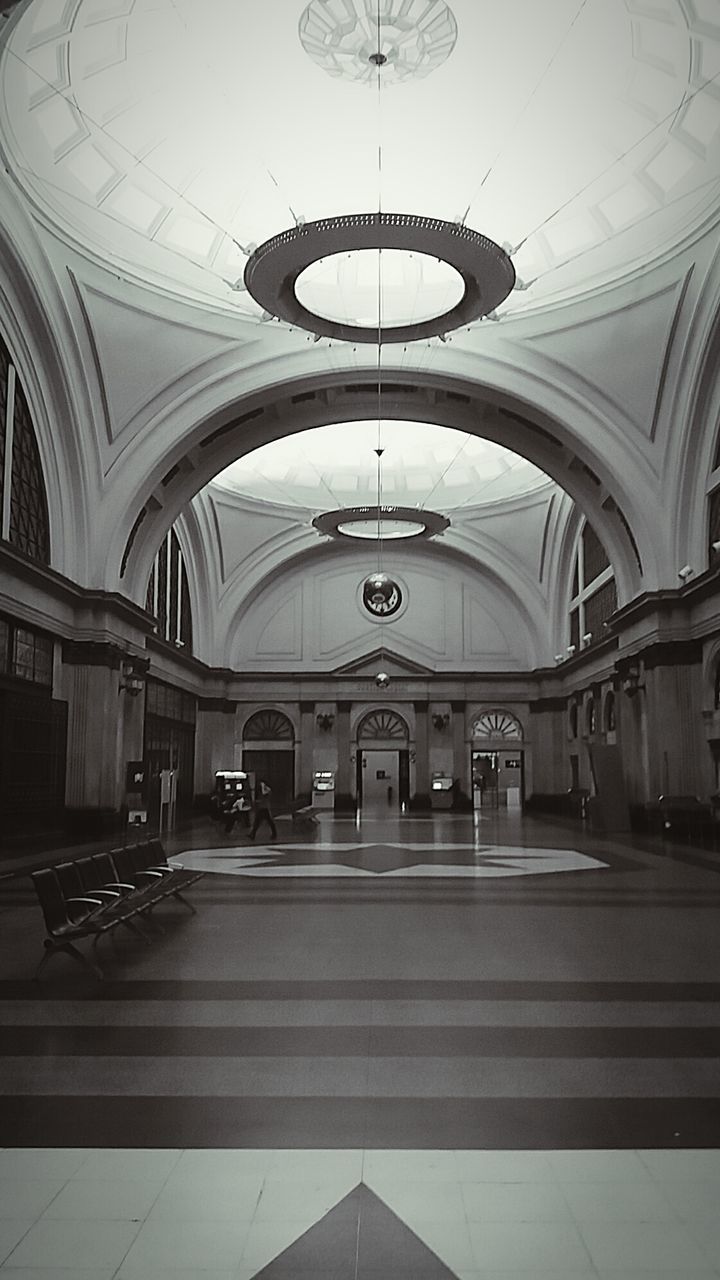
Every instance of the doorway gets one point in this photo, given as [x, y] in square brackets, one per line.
[379, 781]
[277, 768]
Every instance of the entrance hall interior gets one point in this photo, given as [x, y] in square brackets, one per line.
[359, 407]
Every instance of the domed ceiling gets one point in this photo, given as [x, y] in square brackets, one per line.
[171, 137]
[422, 465]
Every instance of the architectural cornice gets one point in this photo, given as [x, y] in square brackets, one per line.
[14, 565]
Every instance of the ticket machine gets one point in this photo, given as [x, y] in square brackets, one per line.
[323, 796]
[441, 791]
[229, 785]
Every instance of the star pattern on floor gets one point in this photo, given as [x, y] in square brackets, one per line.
[360, 1237]
[393, 858]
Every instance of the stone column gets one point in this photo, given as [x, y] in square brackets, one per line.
[214, 741]
[304, 755]
[106, 701]
[344, 801]
[461, 757]
[420, 802]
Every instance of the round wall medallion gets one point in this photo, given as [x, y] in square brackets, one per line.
[381, 595]
[272, 271]
[385, 522]
[345, 38]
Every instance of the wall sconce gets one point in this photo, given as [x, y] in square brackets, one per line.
[440, 721]
[570, 650]
[587, 639]
[685, 572]
[631, 681]
[324, 721]
[558, 657]
[130, 679]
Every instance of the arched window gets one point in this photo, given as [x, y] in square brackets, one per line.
[497, 724]
[168, 598]
[24, 518]
[594, 593]
[591, 716]
[268, 726]
[382, 725]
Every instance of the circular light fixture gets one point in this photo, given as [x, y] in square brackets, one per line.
[272, 271]
[381, 595]
[352, 523]
[382, 680]
[342, 37]
[344, 287]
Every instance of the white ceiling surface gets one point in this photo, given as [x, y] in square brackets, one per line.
[422, 465]
[164, 134]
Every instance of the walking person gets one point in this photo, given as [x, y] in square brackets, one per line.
[262, 810]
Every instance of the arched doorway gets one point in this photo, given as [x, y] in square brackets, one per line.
[497, 760]
[268, 751]
[383, 763]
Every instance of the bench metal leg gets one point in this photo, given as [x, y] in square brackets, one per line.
[51, 947]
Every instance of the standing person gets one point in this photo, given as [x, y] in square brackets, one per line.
[262, 810]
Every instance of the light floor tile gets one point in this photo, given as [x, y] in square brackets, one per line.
[503, 1166]
[525, 1245]
[653, 1246]
[56, 1273]
[676, 1165]
[618, 1202]
[417, 1166]
[685, 1274]
[27, 1197]
[420, 1201]
[224, 1162]
[707, 1236]
[11, 1233]
[105, 1199]
[597, 1166]
[123, 1164]
[265, 1240]
[515, 1202]
[41, 1162]
[176, 1273]
[229, 1199]
[74, 1244]
[189, 1245]
[450, 1241]
[303, 1202]
[531, 1274]
[316, 1164]
[692, 1201]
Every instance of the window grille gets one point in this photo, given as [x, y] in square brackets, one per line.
[382, 724]
[168, 595]
[497, 724]
[23, 503]
[595, 557]
[268, 726]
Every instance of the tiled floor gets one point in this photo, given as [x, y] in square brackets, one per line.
[430, 1049]
[136, 1214]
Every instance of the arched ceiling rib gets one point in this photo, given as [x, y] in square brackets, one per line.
[596, 490]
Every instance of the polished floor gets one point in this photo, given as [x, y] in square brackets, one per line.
[410, 1047]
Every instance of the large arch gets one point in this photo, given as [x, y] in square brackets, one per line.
[334, 397]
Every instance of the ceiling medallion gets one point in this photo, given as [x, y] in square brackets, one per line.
[272, 271]
[345, 38]
[383, 522]
[381, 595]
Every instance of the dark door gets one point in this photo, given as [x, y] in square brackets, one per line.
[277, 768]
